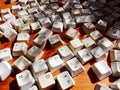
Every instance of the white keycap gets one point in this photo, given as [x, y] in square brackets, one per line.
[34, 53]
[25, 80]
[69, 23]
[55, 63]
[77, 6]
[101, 69]
[33, 10]
[52, 1]
[60, 10]
[56, 18]
[23, 37]
[26, 7]
[88, 27]
[21, 63]
[11, 1]
[9, 17]
[98, 53]
[35, 27]
[105, 43]
[5, 11]
[43, 35]
[95, 35]
[16, 23]
[75, 45]
[10, 34]
[19, 48]
[74, 67]
[46, 81]
[45, 22]
[115, 55]
[25, 28]
[39, 15]
[117, 44]
[22, 13]
[84, 55]
[22, 1]
[34, 87]
[75, 12]
[72, 33]
[66, 15]
[65, 53]
[16, 8]
[115, 66]
[54, 6]
[28, 19]
[100, 86]
[5, 70]
[85, 12]
[64, 80]
[4, 26]
[57, 27]
[42, 2]
[55, 41]
[5, 54]
[115, 85]
[88, 42]
[113, 33]
[101, 25]
[34, 4]
[39, 68]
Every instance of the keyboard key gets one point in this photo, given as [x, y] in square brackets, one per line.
[16, 8]
[25, 80]
[95, 35]
[64, 80]
[35, 27]
[45, 22]
[46, 81]
[8, 17]
[28, 19]
[101, 70]
[22, 13]
[105, 43]
[22, 1]
[34, 87]
[72, 33]
[39, 68]
[57, 27]
[88, 27]
[21, 63]
[100, 86]
[84, 55]
[65, 53]
[117, 44]
[5, 54]
[23, 37]
[5, 70]
[69, 23]
[34, 53]
[55, 63]
[115, 85]
[55, 41]
[25, 28]
[19, 48]
[74, 67]
[115, 55]
[75, 45]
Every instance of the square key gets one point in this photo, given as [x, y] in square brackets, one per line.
[28, 19]
[105, 43]
[21, 63]
[46, 81]
[100, 86]
[54, 63]
[117, 44]
[65, 53]
[115, 85]
[56, 18]
[88, 42]
[34, 53]
[5, 70]
[98, 53]
[55, 41]
[16, 8]
[64, 80]
[45, 22]
[22, 13]
[23, 37]
[39, 68]
[84, 55]
[33, 10]
[101, 70]
[95, 35]
[69, 23]
[35, 27]
[5, 54]
[115, 55]
[75, 45]
[74, 67]
[23, 1]
[88, 27]
[25, 28]
[19, 48]
[57, 27]
[72, 33]
[101, 25]
[25, 80]
[34, 87]
[115, 67]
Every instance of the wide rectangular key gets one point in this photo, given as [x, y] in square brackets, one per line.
[101, 69]
[74, 67]
[54, 63]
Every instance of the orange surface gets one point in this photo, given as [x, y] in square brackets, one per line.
[84, 81]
